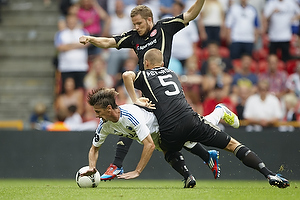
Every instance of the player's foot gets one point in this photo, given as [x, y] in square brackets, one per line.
[278, 181]
[229, 117]
[111, 172]
[213, 163]
[190, 182]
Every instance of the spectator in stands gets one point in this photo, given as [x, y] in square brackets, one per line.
[72, 56]
[176, 66]
[290, 101]
[90, 14]
[279, 15]
[226, 4]
[97, 76]
[73, 117]
[166, 8]
[211, 22]
[213, 51]
[120, 22]
[191, 83]
[71, 96]
[259, 6]
[243, 27]
[293, 82]
[59, 124]
[75, 122]
[39, 118]
[186, 39]
[216, 76]
[244, 91]
[71, 9]
[131, 64]
[64, 6]
[276, 78]
[244, 76]
[263, 109]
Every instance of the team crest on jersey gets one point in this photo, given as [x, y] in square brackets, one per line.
[153, 33]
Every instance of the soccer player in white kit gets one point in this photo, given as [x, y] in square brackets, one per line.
[133, 122]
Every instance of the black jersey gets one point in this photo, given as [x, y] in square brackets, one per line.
[163, 88]
[160, 37]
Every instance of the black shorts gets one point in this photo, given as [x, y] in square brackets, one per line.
[193, 128]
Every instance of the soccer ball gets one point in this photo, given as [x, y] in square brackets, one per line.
[87, 181]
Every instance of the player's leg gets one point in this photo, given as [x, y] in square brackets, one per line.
[211, 157]
[116, 168]
[222, 112]
[223, 141]
[176, 160]
[250, 159]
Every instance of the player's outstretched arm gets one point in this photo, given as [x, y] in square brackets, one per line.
[93, 157]
[101, 42]
[193, 11]
[148, 149]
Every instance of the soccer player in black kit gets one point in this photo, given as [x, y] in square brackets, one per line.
[147, 35]
[178, 122]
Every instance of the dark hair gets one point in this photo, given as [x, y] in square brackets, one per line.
[61, 115]
[72, 109]
[103, 97]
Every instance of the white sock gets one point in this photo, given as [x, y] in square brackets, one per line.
[215, 116]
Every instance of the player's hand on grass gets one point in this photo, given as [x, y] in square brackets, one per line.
[144, 102]
[129, 175]
[89, 172]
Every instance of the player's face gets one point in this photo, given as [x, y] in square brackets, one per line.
[103, 113]
[141, 25]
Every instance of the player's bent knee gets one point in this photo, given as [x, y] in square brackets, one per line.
[232, 145]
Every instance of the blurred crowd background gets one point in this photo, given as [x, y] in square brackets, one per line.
[243, 53]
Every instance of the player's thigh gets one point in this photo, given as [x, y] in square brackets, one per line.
[209, 135]
[218, 139]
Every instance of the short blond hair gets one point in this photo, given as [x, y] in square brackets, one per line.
[142, 10]
[154, 57]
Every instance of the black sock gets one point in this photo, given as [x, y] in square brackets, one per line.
[250, 159]
[199, 150]
[176, 160]
[121, 151]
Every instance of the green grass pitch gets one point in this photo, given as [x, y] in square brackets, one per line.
[146, 189]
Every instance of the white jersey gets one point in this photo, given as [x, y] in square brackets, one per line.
[242, 22]
[75, 60]
[268, 109]
[280, 22]
[134, 122]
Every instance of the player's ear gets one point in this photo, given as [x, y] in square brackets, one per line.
[162, 64]
[149, 20]
[109, 107]
[145, 63]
